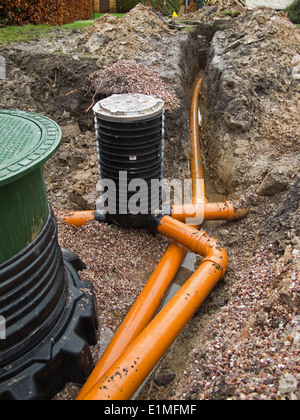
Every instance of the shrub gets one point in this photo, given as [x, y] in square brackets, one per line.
[293, 11]
[52, 12]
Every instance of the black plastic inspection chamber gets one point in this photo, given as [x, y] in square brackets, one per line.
[130, 144]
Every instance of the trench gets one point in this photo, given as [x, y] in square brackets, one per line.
[193, 63]
[56, 98]
[190, 263]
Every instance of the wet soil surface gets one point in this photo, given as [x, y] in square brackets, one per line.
[243, 343]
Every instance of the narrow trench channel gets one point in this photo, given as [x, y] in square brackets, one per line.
[199, 43]
[191, 261]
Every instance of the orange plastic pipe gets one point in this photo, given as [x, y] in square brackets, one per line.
[79, 218]
[228, 210]
[196, 163]
[124, 377]
[186, 235]
[141, 313]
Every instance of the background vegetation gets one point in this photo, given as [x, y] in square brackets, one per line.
[293, 11]
[51, 12]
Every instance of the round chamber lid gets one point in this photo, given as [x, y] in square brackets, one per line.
[27, 141]
[128, 107]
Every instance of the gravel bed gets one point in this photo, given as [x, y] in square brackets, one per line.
[119, 262]
[251, 345]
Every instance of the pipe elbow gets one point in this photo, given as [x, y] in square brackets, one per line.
[197, 241]
[212, 252]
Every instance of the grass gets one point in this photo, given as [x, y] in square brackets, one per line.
[9, 34]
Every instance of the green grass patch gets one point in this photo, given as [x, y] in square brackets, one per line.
[10, 34]
[230, 13]
[98, 15]
[27, 33]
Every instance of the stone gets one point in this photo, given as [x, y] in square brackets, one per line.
[164, 379]
[272, 184]
[288, 384]
[296, 60]
[296, 332]
[296, 72]
[237, 115]
[71, 129]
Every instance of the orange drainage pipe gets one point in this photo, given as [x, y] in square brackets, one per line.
[79, 218]
[228, 210]
[141, 313]
[152, 295]
[196, 163]
[124, 377]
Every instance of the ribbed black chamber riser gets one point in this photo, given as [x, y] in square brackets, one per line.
[129, 151]
[33, 293]
[51, 319]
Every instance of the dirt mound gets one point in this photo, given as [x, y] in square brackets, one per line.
[113, 39]
[252, 98]
[131, 77]
[223, 9]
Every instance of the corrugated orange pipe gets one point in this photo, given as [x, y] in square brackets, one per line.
[124, 377]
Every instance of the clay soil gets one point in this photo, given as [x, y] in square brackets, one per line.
[244, 342]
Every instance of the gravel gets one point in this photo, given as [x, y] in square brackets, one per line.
[119, 262]
[249, 344]
[127, 76]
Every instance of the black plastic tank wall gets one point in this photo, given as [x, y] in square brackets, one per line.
[48, 314]
[130, 144]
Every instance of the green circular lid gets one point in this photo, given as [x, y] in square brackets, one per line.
[27, 141]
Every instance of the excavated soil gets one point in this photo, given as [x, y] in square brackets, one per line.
[243, 343]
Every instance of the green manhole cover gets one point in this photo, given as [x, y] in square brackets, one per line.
[26, 142]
